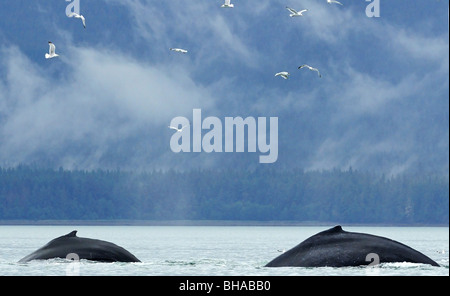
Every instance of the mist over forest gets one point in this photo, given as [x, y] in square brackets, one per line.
[29, 193]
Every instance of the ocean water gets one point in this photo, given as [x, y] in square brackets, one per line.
[209, 250]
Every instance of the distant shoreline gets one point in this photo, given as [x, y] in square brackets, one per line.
[199, 223]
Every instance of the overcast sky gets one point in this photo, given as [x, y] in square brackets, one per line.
[107, 100]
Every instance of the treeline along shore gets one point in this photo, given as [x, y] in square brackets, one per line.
[346, 196]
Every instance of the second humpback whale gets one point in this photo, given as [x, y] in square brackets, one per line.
[338, 248]
[84, 248]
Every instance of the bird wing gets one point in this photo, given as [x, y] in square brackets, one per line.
[317, 70]
[302, 11]
[305, 66]
[291, 10]
[282, 74]
[84, 21]
[310, 68]
[51, 49]
[179, 50]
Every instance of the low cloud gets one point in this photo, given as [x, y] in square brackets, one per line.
[101, 98]
[381, 102]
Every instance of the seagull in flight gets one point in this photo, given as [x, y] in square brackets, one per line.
[227, 4]
[295, 12]
[177, 129]
[179, 50]
[51, 51]
[310, 68]
[76, 15]
[334, 1]
[283, 74]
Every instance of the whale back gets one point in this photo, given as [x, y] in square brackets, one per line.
[84, 248]
[338, 248]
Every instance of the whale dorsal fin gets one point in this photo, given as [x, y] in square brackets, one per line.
[335, 229]
[72, 234]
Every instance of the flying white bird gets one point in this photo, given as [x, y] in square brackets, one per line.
[334, 1]
[51, 51]
[227, 4]
[310, 68]
[295, 12]
[283, 74]
[178, 129]
[179, 50]
[76, 15]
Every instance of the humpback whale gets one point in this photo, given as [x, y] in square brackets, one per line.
[338, 248]
[84, 248]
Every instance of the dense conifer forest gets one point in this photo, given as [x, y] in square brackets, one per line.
[343, 196]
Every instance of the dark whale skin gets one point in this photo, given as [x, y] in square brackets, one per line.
[338, 248]
[84, 248]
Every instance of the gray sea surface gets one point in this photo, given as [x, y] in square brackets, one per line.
[209, 250]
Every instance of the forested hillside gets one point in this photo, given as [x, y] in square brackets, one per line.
[350, 196]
